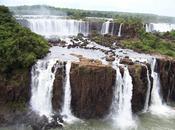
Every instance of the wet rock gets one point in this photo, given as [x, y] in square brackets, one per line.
[138, 73]
[58, 89]
[91, 88]
[110, 58]
[42, 123]
[166, 70]
[126, 61]
[54, 42]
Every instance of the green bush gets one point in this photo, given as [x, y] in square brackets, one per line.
[151, 43]
[19, 47]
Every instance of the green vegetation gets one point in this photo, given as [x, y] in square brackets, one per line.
[105, 40]
[152, 43]
[19, 47]
[82, 14]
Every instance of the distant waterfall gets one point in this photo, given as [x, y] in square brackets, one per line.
[41, 87]
[148, 91]
[105, 27]
[120, 30]
[159, 27]
[54, 26]
[121, 107]
[148, 27]
[113, 27]
[66, 109]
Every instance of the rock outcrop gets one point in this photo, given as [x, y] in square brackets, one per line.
[138, 73]
[15, 93]
[58, 90]
[166, 70]
[92, 88]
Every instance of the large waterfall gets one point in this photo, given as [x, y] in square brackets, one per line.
[41, 87]
[121, 107]
[56, 26]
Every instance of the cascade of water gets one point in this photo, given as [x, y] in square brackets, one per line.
[41, 87]
[148, 91]
[156, 98]
[58, 27]
[105, 27]
[121, 106]
[112, 32]
[66, 109]
[148, 28]
[120, 30]
[157, 107]
[160, 27]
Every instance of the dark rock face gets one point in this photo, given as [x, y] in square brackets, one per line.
[58, 90]
[126, 61]
[140, 85]
[166, 70]
[15, 88]
[24, 22]
[95, 26]
[15, 94]
[92, 89]
[131, 30]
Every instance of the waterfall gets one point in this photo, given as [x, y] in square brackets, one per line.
[53, 26]
[41, 87]
[105, 27]
[148, 91]
[159, 27]
[148, 28]
[66, 109]
[120, 30]
[112, 32]
[156, 98]
[121, 106]
[157, 106]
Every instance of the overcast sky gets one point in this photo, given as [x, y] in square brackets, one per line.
[161, 7]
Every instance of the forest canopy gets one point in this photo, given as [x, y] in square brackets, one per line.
[19, 47]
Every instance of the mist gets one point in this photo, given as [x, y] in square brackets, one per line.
[37, 10]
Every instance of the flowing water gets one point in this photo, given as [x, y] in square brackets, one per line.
[56, 26]
[157, 106]
[121, 108]
[105, 27]
[159, 27]
[158, 117]
[41, 87]
[66, 110]
[120, 30]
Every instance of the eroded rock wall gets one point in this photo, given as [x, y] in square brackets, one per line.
[92, 90]
[166, 70]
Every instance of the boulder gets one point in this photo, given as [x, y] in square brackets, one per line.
[126, 61]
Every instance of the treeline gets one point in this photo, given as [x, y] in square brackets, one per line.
[81, 14]
[19, 47]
